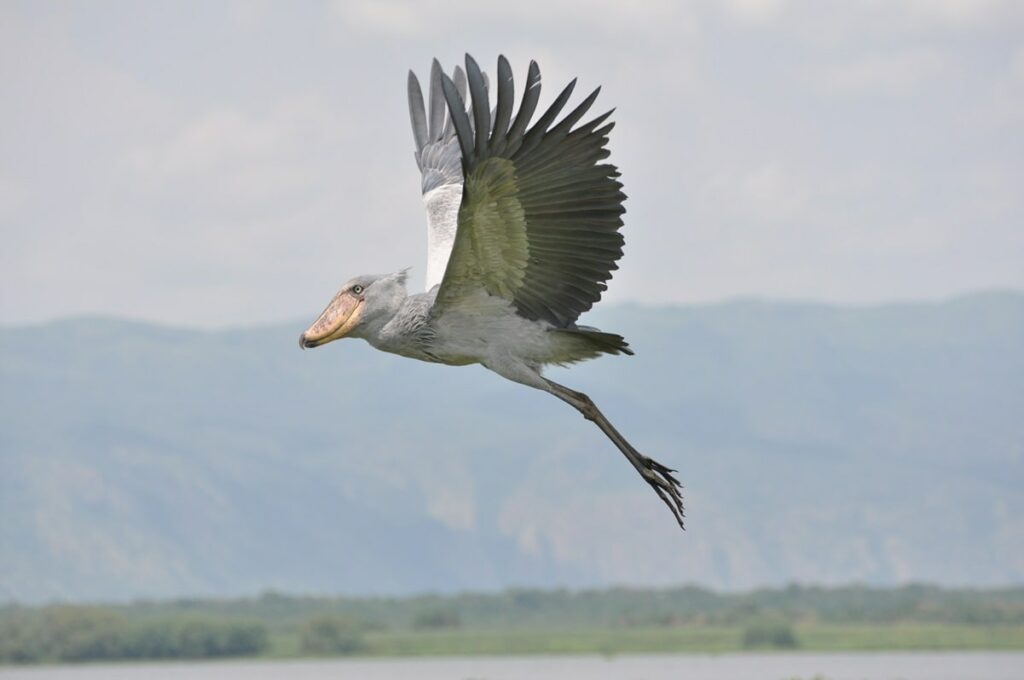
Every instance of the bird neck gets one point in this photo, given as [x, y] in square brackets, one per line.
[407, 330]
[373, 328]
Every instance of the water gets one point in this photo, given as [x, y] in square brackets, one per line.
[880, 666]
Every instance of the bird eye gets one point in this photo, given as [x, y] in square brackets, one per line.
[357, 289]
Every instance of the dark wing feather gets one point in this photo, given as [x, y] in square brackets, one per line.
[416, 112]
[437, 153]
[540, 215]
[437, 103]
[503, 111]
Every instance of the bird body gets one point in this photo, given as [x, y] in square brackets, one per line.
[523, 232]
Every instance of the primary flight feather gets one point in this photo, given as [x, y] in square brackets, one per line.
[523, 224]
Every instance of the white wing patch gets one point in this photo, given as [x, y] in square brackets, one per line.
[442, 206]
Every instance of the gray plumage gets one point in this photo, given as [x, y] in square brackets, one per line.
[440, 162]
[437, 153]
[523, 234]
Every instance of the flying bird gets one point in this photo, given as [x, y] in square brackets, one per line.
[523, 221]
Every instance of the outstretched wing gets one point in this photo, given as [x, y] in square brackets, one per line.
[440, 163]
[540, 214]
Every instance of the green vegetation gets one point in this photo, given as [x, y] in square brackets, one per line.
[689, 639]
[71, 633]
[331, 635]
[770, 633]
[435, 618]
[615, 621]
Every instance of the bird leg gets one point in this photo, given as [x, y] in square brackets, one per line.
[654, 473]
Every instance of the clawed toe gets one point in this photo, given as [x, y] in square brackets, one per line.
[666, 486]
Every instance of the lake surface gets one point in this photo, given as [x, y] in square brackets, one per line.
[881, 666]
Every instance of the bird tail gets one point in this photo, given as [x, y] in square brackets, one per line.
[599, 341]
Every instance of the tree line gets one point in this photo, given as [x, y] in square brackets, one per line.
[64, 633]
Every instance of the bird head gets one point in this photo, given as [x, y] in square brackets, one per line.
[362, 304]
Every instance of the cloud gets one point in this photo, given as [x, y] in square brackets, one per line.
[755, 10]
[1017, 64]
[957, 14]
[233, 160]
[393, 17]
[767, 194]
[13, 196]
[895, 73]
[434, 19]
[833, 25]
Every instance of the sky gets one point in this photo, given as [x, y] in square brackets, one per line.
[231, 163]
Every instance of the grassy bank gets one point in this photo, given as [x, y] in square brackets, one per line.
[697, 640]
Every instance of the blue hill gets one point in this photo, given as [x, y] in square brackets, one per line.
[817, 444]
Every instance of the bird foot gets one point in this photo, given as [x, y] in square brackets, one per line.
[665, 484]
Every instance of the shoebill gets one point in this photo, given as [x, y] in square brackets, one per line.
[523, 220]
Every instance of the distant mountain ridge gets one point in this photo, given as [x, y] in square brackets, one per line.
[817, 444]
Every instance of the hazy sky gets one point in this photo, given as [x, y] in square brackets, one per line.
[228, 163]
